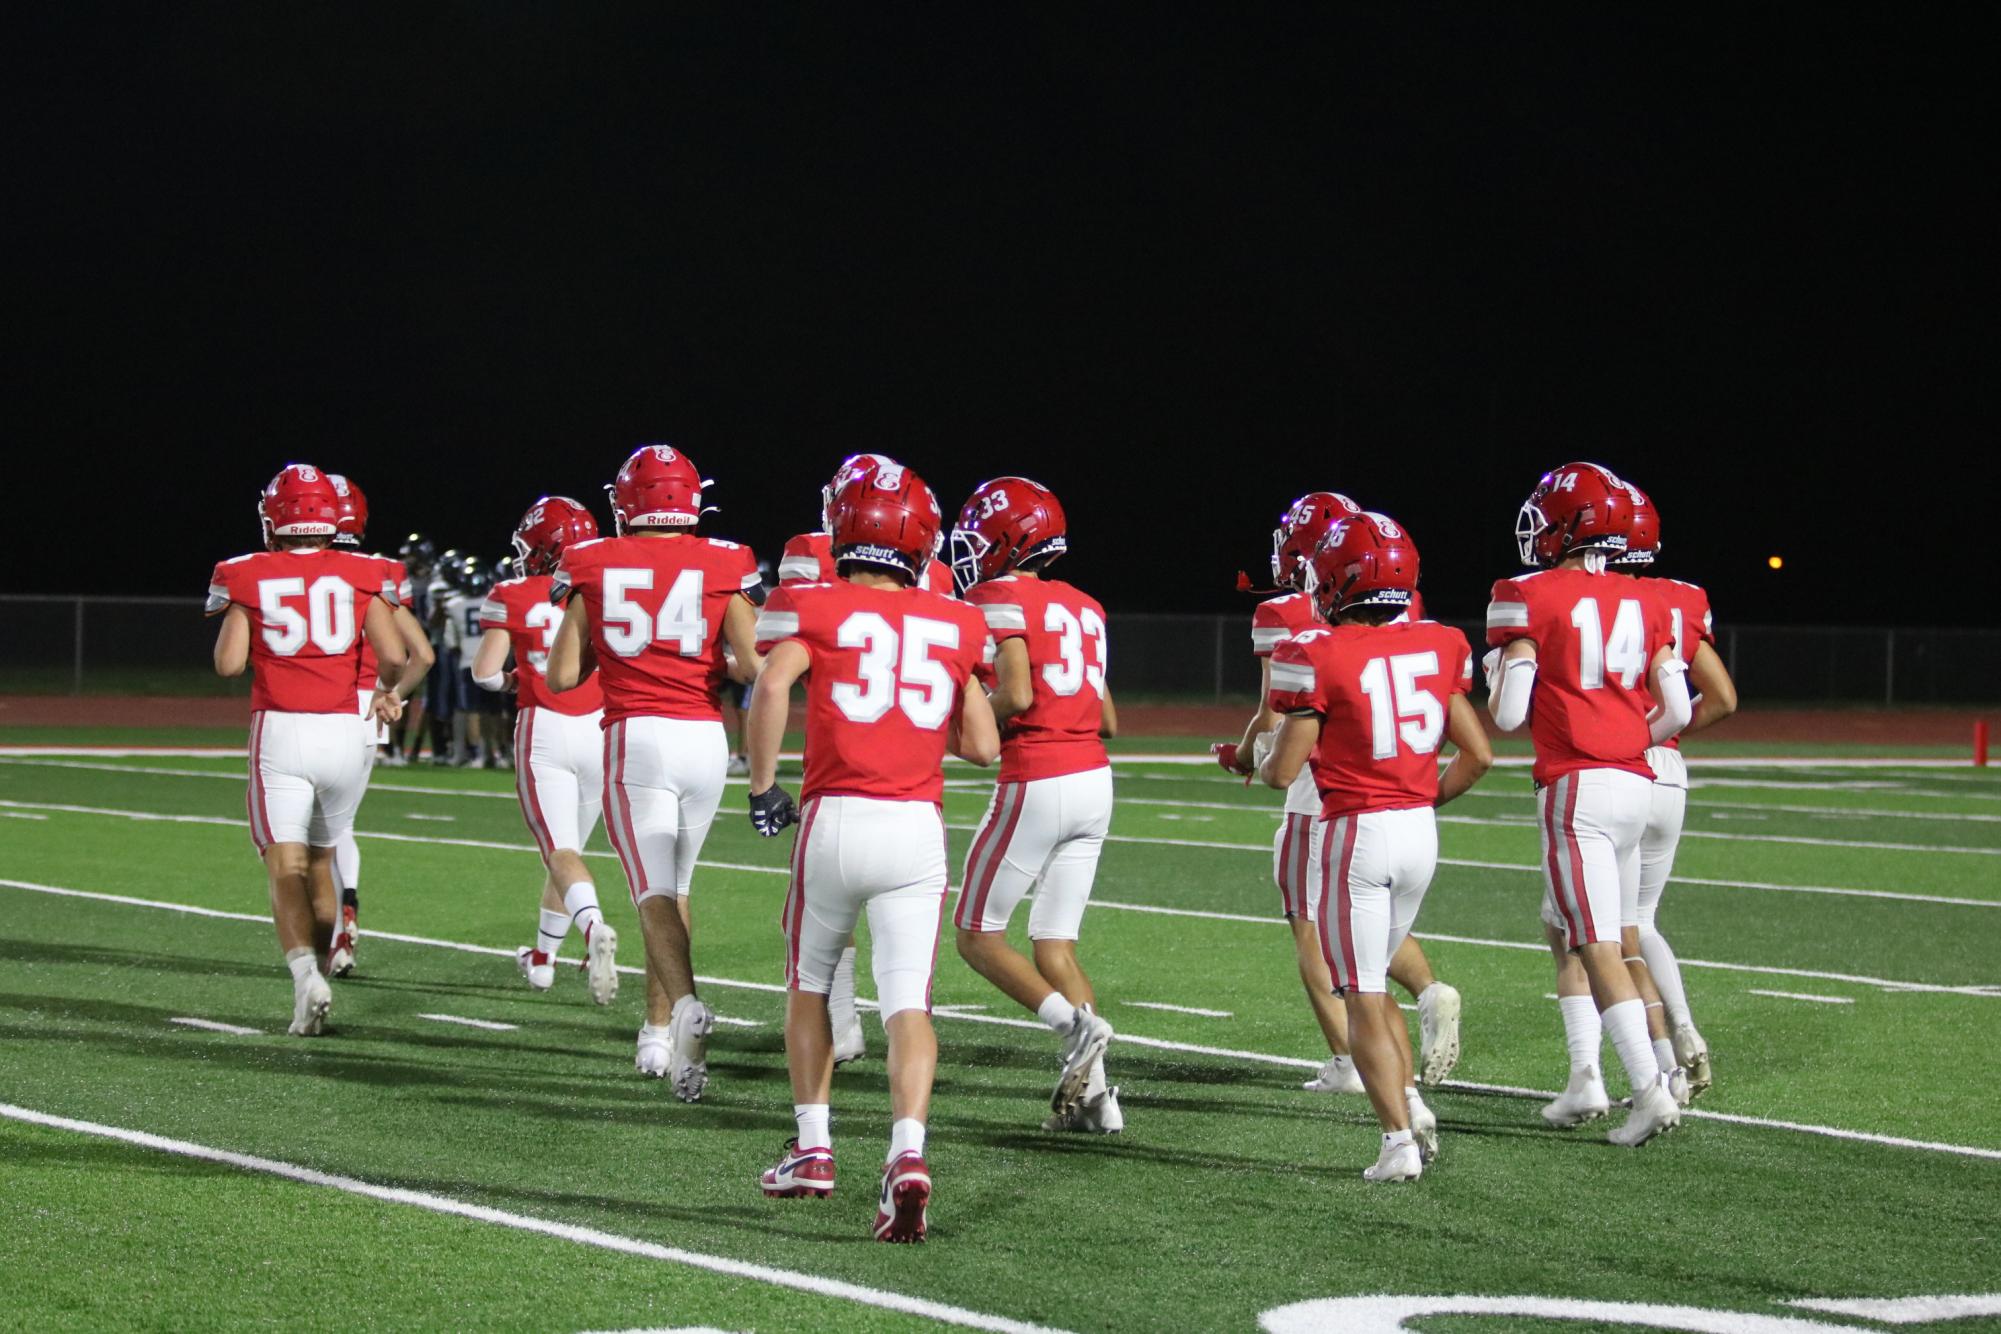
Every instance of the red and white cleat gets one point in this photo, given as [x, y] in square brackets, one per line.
[340, 959]
[800, 1172]
[906, 1191]
[537, 966]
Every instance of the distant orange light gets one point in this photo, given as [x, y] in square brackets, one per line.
[1776, 562]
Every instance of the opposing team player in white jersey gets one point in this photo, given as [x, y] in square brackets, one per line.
[1295, 855]
[296, 614]
[1372, 694]
[1714, 698]
[651, 609]
[889, 672]
[808, 559]
[1052, 808]
[351, 531]
[558, 747]
[1585, 656]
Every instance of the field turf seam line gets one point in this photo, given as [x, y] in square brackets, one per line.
[1003, 1021]
[571, 1232]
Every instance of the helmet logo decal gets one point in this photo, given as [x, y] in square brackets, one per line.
[889, 477]
[307, 473]
[665, 453]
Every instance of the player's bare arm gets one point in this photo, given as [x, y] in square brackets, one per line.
[1014, 681]
[976, 736]
[1298, 734]
[489, 665]
[770, 702]
[1108, 716]
[1715, 694]
[1475, 757]
[392, 659]
[1261, 722]
[232, 642]
[740, 633]
[415, 640]
[568, 665]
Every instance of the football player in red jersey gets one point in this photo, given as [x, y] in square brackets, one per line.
[650, 610]
[1714, 697]
[1371, 695]
[809, 559]
[1052, 807]
[351, 531]
[296, 614]
[889, 670]
[1295, 864]
[558, 749]
[1583, 656]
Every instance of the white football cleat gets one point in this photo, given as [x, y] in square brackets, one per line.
[1678, 1089]
[651, 1057]
[1423, 1125]
[1653, 1111]
[688, 1042]
[536, 966]
[1098, 1115]
[1438, 1032]
[601, 961]
[1397, 1162]
[1338, 1075]
[312, 1002]
[849, 1042]
[1693, 1054]
[1082, 1046]
[1583, 1099]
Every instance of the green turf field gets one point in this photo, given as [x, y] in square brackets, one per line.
[1839, 926]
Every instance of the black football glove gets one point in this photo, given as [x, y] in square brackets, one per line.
[773, 809]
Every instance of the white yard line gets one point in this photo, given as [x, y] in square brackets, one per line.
[214, 1027]
[1804, 996]
[461, 1020]
[1179, 1009]
[1132, 1039]
[583, 1236]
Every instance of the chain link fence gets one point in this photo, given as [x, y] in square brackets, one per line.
[161, 646]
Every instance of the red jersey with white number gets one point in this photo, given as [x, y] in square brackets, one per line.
[809, 559]
[656, 607]
[522, 608]
[307, 607]
[889, 666]
[396, 577]
[1063, 630]
[1594, 636]
[1689, 622]
[1279, 619]
[1382, 693]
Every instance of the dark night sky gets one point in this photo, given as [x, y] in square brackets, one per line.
[1179, 266]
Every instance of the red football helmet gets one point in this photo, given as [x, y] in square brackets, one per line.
[299, 502]
[659, 487]
[1578, 507]
[352, 525]
[853, 466]
[887, 516]
[1364, 561]
[1300, 529]
[1643, 542]
[551, 523]
[1003, 524]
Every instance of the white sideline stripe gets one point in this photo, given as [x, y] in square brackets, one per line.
[1180, 1009]
[1804, 996]
[732, 1020]
[1159, 1044]
[1905, 1310]
[1525, 798]
[584, 1236]
[1875, 845]
[1694, 762]
[470, 1023]
[435, 819]
[23, 815]
[114, 752]
[214, 1027]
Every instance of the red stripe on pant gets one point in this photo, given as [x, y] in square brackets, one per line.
[794, 910]
[524, 783]
[938, 935]
[989, 847]
[1553, 842]
[1578, 889]
[260, 817]
[1293, 887]
[1335, 901]
[618, 813]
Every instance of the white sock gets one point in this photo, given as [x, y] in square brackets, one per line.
[347, 862]
[1664, 1054]
[555, 925]
[1057, 1012]
[1583, 1032]
[906, 1136]
[1654, 948]
[1626, 1025]
[582, 901]
[304, 963]
[1343, 1061]
[815, 1119]
[841, 995]
[1393, 1138]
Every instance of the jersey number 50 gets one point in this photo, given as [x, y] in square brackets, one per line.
[897, 670]
[328, 619]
